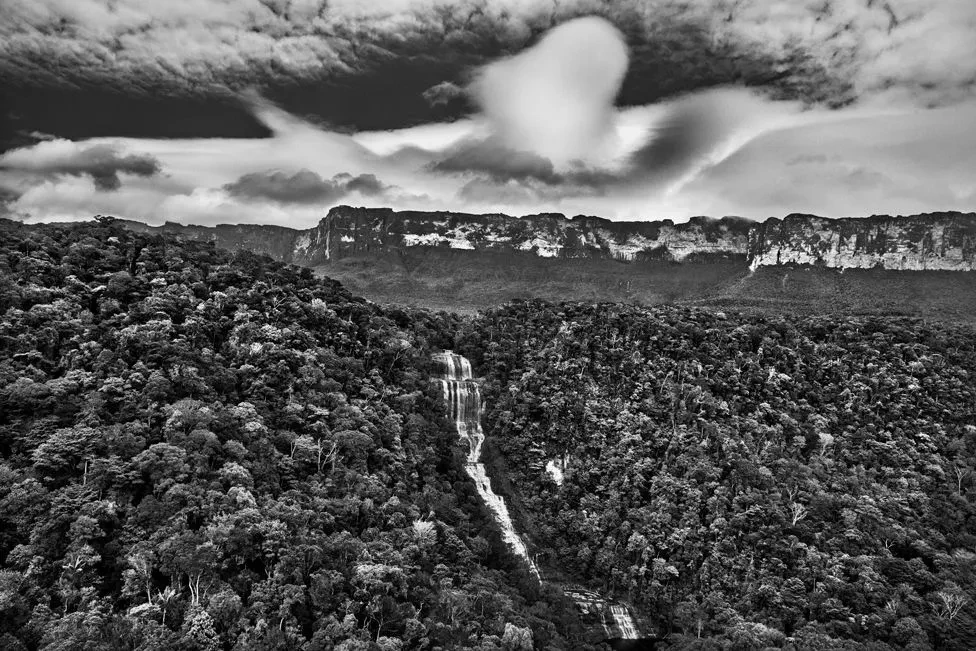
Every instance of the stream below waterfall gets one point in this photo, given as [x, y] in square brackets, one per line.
[463, 397]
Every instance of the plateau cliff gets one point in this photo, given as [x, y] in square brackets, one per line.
[936, 241]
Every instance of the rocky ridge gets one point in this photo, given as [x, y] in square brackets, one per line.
[934, 241]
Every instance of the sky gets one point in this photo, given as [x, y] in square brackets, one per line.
[273, 111]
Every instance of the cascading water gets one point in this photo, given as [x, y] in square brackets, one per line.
[625, 623]
[463, 397]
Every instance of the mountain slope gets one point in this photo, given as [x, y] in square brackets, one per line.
[744, 481]
[203, 450]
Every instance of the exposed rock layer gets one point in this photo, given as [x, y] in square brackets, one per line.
[936, 241]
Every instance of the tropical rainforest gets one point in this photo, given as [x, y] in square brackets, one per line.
[205, 450]
[212, 450]
[747, 482]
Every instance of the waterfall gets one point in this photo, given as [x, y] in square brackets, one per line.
[623, 620]
[463, 397]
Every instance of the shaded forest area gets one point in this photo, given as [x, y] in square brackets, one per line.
[206, 450]
[745, 481]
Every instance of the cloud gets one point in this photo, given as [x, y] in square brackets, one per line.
[304, 186]
[103, 163]
[904, 51]
[700, 130]
[522, 194]
[444, 93]
[895, 164]
[550, 118]
[365, 184]
[844, 163]
[718, 151]
[387, 65]
[556, 98]
[494, 160]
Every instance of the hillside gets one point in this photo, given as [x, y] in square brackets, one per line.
[745, 482]
[206, 450]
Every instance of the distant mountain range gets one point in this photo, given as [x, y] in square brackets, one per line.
[944, 241]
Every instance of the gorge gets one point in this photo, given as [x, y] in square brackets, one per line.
[464, 403]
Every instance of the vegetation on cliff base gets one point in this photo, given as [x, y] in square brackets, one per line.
[205, 450]
[746, 482]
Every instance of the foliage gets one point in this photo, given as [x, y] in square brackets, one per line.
[206, 450]
[745, 481]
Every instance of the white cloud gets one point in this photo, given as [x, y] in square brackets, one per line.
[556, 98]
[915, 52]
[850, 162]
[895, 164]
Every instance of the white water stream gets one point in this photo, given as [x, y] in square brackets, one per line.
[625, 623]
[463, 398]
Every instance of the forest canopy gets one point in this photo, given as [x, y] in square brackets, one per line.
[746, 482]
[212, 450]
[206, 450]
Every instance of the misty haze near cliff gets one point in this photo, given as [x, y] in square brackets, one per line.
[575, 113]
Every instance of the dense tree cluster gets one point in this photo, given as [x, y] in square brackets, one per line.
[205, 450]
[746, 482]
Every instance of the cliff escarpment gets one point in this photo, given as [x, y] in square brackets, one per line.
[936, 241]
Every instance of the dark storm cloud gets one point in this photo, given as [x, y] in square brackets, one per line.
[103, 163]
[365, 184]
[497, 162]
[358, 65]
[304, 186]
[492, 165]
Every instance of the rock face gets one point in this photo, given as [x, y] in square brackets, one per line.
[937, 241]
[349, 231]
[277, 242]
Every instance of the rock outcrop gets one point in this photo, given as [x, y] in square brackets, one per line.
[936, 241]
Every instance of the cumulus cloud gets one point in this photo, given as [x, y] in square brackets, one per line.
[556, 98]
[103, 162]
[551, 120]
[303, 186]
